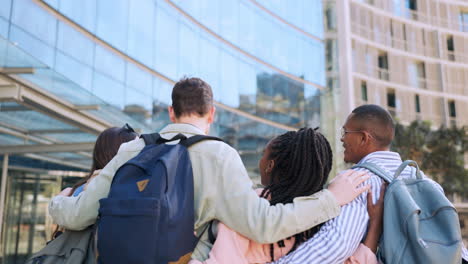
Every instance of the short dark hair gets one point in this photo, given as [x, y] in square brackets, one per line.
[191, 96]
[377, 121]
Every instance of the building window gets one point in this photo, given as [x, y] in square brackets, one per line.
[330, 53]
[411, 4]
[417, 104]
[383, 66]
[411, 9]
[391, 101]
[391, 98]
[417, 74]
[452, 110]
[330, 17]
[464, 21]
[364, 91]
[450, 48]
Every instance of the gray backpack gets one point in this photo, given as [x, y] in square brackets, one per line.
[71, 247]
[420, 225]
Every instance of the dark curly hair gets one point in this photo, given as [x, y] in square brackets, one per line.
[303, 160]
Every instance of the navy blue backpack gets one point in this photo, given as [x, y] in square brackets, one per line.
[148, 216]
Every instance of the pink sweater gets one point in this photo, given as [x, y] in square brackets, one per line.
[233, 248]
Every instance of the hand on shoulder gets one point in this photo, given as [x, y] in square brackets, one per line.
[345, 186]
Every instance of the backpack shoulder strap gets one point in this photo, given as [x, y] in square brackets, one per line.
[197, 138]
[376, 170]
[151, 138]
[156, 138]
[407, 163]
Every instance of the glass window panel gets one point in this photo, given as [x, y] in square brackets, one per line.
[229, 20]
[112, 22]
[411, 4]
[257, 28]
[397, 7]
[53, 3]
[28, 120]
[452, 109]
[314, 64]
[141, 30]
[293, 12]
[108, 63]
[83, 12]
[75, 71]
[464, 21]
[247, 27]
[391, 98]
[191, 7]
[37, 21]
[138, 105]
[209, 63]
[139, 79]
[229, 81]
[413, 74]
[109, 90]
[3, 28]
[72, 137]
[13, 56]
[6, 8]
[417, 104]
[32, 45]
[68, 155]
[261, 28]
[209, 13]
[364, 91]
[312, 109]
[61, 87]
[166, 43]
[278, 54]
[162, 92]
[313, 17]
[247, 87]
[75, 44]
[11, 140]
[188, 54]
[294, 55]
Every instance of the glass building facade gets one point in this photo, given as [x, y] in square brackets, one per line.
[116, 61]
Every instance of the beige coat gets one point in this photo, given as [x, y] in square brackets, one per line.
[223, 191]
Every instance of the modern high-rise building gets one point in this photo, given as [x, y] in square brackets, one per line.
[70, 69]
[410, 56]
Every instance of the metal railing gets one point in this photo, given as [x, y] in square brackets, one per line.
[391, 41]
[449, 23]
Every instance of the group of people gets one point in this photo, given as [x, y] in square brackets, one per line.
[293, 219]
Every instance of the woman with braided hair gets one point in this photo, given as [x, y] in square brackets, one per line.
[294, 164]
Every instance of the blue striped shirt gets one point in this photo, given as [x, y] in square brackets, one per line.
[339, 238]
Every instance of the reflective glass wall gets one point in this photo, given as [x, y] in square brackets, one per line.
[263, 59]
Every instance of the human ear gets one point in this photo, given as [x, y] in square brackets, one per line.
[270, 166]
[366, 138]
[211, 115]
[172, 115]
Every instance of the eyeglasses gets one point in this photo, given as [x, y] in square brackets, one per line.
[128, 128]
[343, 131]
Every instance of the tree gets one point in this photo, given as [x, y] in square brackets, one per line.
[440, 153]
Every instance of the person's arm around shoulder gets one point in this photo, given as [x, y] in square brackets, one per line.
[239, 207]
[77, 213]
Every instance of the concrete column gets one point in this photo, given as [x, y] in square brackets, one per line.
[345, 58]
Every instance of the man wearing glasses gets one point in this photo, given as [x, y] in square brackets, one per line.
[366, 136]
